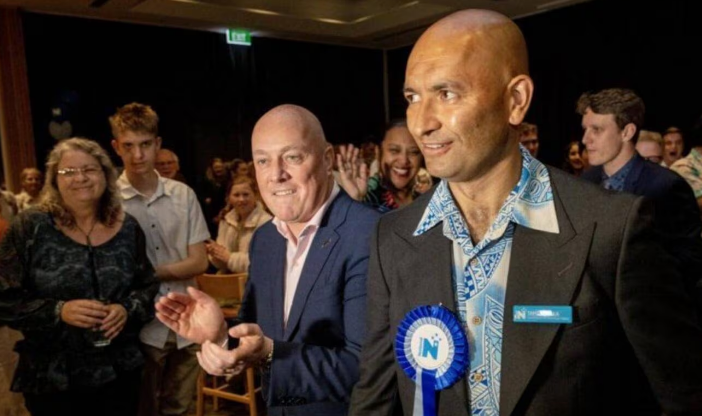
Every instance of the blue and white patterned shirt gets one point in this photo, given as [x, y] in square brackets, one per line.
[480, 271]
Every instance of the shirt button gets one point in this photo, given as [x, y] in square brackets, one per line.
[153, 225]
[477, 320]
[156, 248]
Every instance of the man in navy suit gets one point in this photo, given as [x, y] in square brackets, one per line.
[305, 302]
[612, 120]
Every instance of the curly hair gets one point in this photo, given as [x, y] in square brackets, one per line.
[110, 204]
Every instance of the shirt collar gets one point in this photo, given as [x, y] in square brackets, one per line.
[530, 204]
[314, 223]
[622, 173]
[164, 187]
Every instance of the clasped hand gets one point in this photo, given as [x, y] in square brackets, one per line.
[88, 313]
[197, 317]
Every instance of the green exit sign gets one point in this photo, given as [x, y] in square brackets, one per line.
[238, 37]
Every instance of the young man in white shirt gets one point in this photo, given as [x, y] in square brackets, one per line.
[175, 229]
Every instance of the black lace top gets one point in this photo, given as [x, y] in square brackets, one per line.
[40, 266]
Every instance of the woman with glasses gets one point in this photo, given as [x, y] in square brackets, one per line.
[75, 280]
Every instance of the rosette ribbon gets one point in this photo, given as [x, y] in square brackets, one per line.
[432, 349]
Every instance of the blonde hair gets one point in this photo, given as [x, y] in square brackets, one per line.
[136, 118]
[110, 204]
[650, 136]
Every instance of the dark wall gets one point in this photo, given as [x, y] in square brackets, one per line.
[650, 47]
[208, 94]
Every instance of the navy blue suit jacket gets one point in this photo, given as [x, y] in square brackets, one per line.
[315, 359]
[648, 179]
[677, 214]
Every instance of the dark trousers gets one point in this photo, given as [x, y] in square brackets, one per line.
[116, 398]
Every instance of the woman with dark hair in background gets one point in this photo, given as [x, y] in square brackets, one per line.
[393, 186]
[75, 280]
[573, 161]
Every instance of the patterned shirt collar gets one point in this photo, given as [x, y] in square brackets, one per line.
[530, 204]
[617, 181]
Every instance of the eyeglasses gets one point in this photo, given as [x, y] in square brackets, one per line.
[71, 173]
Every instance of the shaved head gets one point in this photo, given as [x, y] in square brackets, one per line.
[298, 119]
[468, 90]
[293, 164]
[483, 32]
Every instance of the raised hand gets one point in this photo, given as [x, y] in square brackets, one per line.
[195, 316]
[353, 172]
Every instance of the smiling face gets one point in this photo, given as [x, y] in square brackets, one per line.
[80, 188]
[467, 90]
[293, 163]
[242, 199]
[400, 158]
[574, 157]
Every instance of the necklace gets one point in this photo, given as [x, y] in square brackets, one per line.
[87, 235]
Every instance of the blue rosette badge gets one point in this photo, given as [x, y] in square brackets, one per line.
[432, 349]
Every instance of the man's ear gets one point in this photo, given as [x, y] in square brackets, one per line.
[328, 157]
[158, 143]
[520, 90]
[115, 145]
[628, 132]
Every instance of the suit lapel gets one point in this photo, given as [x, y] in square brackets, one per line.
[632, 179]
[544, 269]
[427, 280]
[320, 249]
[277, 262]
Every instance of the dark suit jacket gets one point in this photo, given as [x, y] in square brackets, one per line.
[633, 329]
[677, 214]
[315, 359]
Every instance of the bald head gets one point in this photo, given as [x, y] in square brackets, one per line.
[468, 89]
[293, 164]
[295, 118]
[493, 37]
